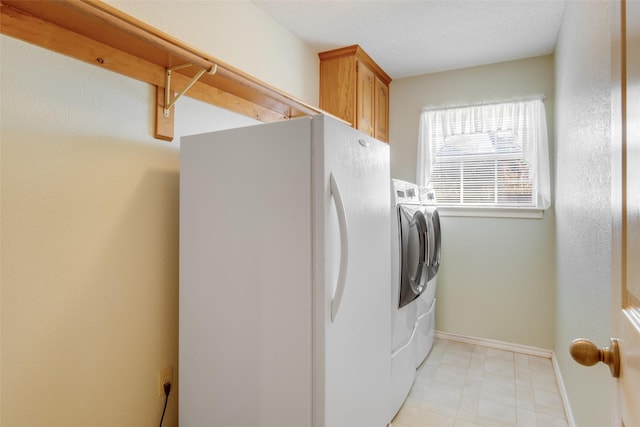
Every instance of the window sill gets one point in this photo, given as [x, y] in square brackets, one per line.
[491, 212]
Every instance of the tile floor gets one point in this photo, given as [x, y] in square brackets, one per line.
[465, 385]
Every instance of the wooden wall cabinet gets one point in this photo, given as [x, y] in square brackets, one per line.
[354, 88]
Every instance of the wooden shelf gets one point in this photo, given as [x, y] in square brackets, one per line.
[99, 34]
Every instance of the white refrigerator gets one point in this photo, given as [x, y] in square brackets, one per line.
[284, 277]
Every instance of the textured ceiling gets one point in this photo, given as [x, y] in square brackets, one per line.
[408, 38]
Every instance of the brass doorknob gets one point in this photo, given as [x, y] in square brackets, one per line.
[587, 353]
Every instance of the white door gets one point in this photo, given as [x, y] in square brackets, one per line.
[623, 355]
[626, 221]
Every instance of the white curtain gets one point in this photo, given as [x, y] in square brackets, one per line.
[526, 119]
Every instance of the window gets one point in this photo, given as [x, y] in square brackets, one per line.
[488, 156]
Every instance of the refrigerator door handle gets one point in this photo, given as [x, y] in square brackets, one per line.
[344, 246]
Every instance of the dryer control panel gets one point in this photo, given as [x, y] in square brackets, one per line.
[406, 193]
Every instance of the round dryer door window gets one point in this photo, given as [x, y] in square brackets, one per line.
[414, 241]
[434, 244]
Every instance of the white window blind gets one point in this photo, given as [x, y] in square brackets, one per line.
[486, 156]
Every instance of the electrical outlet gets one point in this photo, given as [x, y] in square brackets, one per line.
[164, 376]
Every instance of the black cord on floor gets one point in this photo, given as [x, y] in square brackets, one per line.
[167, 390]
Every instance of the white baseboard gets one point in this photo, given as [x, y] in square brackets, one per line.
[563, 392]
[523, 349]
[501, 345]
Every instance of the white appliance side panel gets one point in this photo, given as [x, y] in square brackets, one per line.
[425, 300]
[425, 331]
[403, 372]
[245, 277]
[356, 359]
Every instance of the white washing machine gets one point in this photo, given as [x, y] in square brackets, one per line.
[415, 251]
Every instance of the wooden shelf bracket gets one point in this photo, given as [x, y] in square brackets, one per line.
[99, 34]
[168, 102]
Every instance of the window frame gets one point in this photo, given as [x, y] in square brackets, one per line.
[535, 133]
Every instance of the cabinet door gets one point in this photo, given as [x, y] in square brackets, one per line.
[365, 99]
[338, 88]
[381, 111]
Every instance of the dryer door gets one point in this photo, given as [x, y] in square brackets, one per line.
[434, 244]
[414, 253]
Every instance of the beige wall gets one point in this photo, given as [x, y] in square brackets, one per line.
[497, 277]
[583, 207]
[89, 229]
[238, 33]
